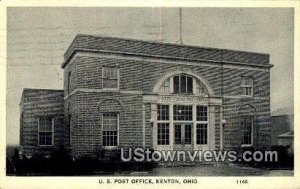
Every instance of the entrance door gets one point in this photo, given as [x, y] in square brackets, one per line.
[183, 136]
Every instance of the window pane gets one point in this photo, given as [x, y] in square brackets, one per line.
[247, 86]
[110, 77]
[113, 73]
[45, 138]
[110, 129]
[201, 113]
[201, 134]
[246, 124]
[243, 81]
[176, 84]
[163, 112]
[45, 124]
[181, 113]
[106, 72]
[110, 122]
[189, 85]
[165, 88]
[163, 134]
[183, 84]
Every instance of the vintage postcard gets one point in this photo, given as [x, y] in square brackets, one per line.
[139, 94]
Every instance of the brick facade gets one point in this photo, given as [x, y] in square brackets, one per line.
[39, 103]
[142, 65]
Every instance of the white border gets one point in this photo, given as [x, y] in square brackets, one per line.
[92, 182]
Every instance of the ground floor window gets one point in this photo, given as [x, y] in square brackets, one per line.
[247, 130]
[45, 131]
[184, 125]
[201, 133]
[163, 136]
[110, 122]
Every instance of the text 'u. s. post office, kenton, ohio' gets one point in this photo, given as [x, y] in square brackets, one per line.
[131, 93]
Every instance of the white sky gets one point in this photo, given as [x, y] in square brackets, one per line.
[38, 37]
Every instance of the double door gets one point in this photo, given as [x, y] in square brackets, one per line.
[183, 136]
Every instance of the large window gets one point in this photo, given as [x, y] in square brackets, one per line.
[45, 131]
[247, 130]
[201, 125]
[183, 113]
[163, 137]
[110, 78]
[247, 86]
[183, 84]
[110, 122]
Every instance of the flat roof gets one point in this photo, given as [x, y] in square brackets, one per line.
[93, 43]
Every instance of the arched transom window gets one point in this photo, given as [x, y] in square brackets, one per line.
[183, 84]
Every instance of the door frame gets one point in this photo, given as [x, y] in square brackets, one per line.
[183, 145]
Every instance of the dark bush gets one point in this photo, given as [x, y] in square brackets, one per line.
[60, 163]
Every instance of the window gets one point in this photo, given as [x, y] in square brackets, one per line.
[110, 78]
[162, 112]
[163, 120]
[45, 131]
[201, 132]
[183, 113]
[201, 125]
[201, 113]
[247, 130]
[163, 134]
[69, 82]
[247, 86]
[183, 84]
[165, 88]
[110, 124]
